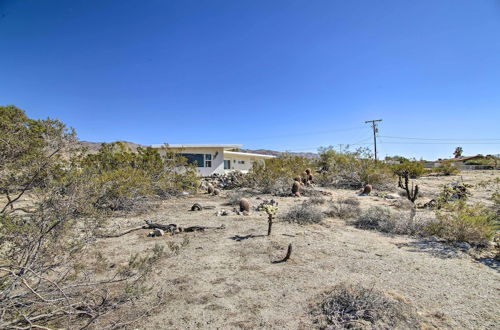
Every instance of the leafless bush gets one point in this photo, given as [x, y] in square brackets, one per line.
[401, 223]
[304, 213]
[317, 200]
[344, 208]
[355, 307]
[235, 197]
[373, 218]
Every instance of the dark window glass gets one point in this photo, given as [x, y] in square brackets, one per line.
[196, 159]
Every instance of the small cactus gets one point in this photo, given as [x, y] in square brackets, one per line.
[367, 189]
[216, 192]
[296, 189]
[271, 211]
[244, 205]
[210, 188]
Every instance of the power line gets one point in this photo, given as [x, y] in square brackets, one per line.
[306, 133]
[435, 139]
[479, 143]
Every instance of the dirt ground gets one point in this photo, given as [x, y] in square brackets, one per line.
[215, 282]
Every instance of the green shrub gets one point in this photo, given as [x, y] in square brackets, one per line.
[119, 189]
[446, 168]
[415, 169]
[121, 177]
[459, 222]
[276, 175]
[352, 169]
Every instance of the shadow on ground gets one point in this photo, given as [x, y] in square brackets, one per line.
[434, 247]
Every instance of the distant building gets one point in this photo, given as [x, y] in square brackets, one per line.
[461, 162]
[216, 158]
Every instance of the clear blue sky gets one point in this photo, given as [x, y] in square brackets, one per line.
[283, 75]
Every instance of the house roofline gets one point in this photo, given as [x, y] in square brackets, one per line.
[193, 146]
[236, 153]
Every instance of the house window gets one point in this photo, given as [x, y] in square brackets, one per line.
[196, 159]
[241, 162]
[208, 160]
[227, 164]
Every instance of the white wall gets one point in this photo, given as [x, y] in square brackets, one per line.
[217, 161]
[235, 162]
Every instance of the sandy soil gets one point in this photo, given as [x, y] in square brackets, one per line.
[215, 282]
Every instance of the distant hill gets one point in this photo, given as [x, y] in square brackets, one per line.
[279, 153]
[94, 147]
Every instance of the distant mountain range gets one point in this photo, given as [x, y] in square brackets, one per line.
[94, 147]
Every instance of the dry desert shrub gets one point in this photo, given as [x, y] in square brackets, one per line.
[317, 200]
[401, 223]
[235, 197]
[350, 306]
[304, 213]
[344, 208]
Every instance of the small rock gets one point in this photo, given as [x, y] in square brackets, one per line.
[392, 196]
[463, 245]
[157, 232]
[196, 207]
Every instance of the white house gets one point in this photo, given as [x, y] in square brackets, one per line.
[216, 158]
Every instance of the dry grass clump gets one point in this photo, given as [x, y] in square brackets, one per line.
[344, 208]
[350, 306]
[304, 213]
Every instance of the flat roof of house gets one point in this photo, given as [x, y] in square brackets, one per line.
[192, 146]
[461, 158]
[235, 153]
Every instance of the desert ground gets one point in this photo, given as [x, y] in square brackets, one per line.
[215, 282]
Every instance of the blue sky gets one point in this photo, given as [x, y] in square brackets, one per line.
[283, 75]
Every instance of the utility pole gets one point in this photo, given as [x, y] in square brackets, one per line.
[375, 131]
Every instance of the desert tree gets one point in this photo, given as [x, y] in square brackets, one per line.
[48, 262]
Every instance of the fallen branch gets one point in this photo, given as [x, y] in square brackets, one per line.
[241, 238]
[121, 234]
[171, 228]
[288, 254]
[199, 228]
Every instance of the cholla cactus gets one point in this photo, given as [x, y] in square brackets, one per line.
[271, 211]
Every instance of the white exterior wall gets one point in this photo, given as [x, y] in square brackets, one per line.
[217, 161]
[218, 156]
[236, 166]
